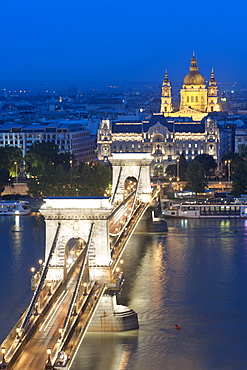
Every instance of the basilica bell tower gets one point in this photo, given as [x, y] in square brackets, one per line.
[166, 96]
[213, 94]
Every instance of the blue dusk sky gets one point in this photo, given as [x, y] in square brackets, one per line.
[122, 40]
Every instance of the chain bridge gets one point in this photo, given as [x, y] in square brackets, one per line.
[76, 288]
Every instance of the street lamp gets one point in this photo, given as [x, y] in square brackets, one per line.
[48, 365]
[49, 289]
[229, 170]
[18, 332]
[60, 331]
[3, 364]
[16, 168]
[85, 289]
[178, 168]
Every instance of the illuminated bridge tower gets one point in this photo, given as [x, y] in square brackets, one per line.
[76, 217]
[131, 165]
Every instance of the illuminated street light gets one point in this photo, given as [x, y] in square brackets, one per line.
[48, 365]
[16, 173]
[177, 168]
[18, 331]
[60, 330]
[229, 170]
[49, 286]
[3, 358]
[85, 289]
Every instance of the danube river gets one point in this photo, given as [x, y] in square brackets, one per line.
[194, 276]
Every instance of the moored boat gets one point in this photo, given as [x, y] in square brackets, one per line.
[14, 207]
[206, 209]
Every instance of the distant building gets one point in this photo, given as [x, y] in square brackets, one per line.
[240, 137]
[165, 138]
[70, 137]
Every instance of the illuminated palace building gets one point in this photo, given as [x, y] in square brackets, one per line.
[166, 135]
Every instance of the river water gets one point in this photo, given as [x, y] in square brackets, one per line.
[194, 276]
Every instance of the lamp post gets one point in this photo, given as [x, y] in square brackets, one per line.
[60, 331]
[85, 289]
[229, 170]
[49, 289]
[16, 169]
[3, 363]
[178, 168]
[18, 333]
[48, 365]
[170, 179]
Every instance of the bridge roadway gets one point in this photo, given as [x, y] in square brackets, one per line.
[56, 330]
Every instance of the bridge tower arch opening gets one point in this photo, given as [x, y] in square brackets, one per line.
[131, 165]
[73, 247]
[158, 170]
[130, 185]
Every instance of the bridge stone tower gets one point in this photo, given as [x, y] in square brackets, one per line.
[135, 165]
[76, 215]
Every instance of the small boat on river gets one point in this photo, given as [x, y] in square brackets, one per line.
[206, 209]
[14, 207]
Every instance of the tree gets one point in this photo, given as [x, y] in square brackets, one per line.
[41, 154]
[182, 167]
[4, 179]
[208, 163]
[239, 178]
[242, 151]
[239, 171]
[195, 177]
[171, 170]
[9, 156]
[85, 180]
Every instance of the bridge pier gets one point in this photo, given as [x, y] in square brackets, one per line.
[111, 317]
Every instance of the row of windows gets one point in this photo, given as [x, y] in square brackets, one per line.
[193, 99]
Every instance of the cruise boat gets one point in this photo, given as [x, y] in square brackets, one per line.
[212, 209]
[14, 207]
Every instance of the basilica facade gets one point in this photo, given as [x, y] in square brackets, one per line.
[196, 99]
[167, 134]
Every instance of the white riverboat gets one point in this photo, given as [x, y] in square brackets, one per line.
[14, 207]
[206, 209]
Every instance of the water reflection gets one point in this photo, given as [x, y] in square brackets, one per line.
[109, 351]
[195, 276]
[22, 244]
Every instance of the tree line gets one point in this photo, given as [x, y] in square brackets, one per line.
[51, 173]
[197, 172]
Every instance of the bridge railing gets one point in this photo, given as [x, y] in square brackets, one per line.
[41, 281]
[115, 190]
[82, 322]
[126, 234]
[78, 284]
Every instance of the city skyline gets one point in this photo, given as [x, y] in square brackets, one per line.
[125, 41]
